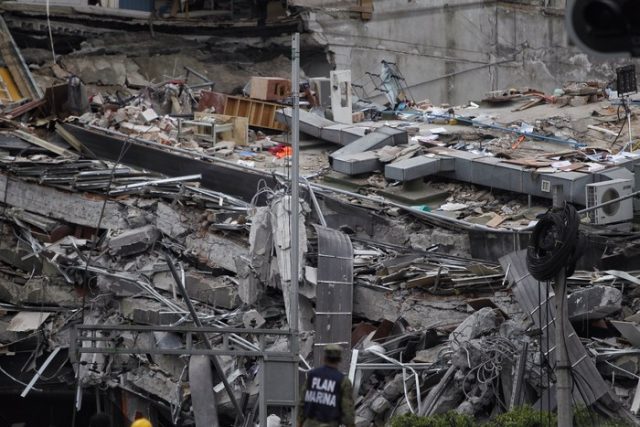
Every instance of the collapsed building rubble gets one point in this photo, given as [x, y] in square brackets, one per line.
[145, 259]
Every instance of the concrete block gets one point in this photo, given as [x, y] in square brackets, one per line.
[169, 221]
[133, 241]
[322, 87]
[39, 291]
[413, 168]
[364, 416]
[429, 355]
[170, 364]
[380, 405]
[248, 284]
[577, 101]
[270, 88]
[154, 317]
[217, 250]
[213, 291]
[147, 312]
[217, 291]
[371, 304]
[252, 319]
[595, 302]
[70, 207]
[394, 388]
[379, 138]
[118, 287]
[479, 323]
[341, 134]
[147, 115]
[103, 70]
[357, 163]
[341, 102]
[154, 382]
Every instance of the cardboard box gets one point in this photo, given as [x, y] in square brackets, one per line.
[270, 88]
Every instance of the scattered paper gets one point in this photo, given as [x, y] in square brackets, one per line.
[496, 221]
[452, 207]
[438, 130]
[526, 128]
[561, 164]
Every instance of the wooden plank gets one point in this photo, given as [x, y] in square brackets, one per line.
[12, 64]
[602, 130]
[44, 144]
[496, 221]
[573, 167]
[529, 104]
[423, 281]
[534, 163]
[240, 132]
[16, 65]
[9, 87]
[260, 114]
[366, 9]
[71, 140]
[25, 108]
[561, 153]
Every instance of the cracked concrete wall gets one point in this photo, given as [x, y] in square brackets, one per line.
[455, 50]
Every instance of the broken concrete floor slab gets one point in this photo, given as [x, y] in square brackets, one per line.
[133, 241]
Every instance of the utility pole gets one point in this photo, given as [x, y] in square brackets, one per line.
[295, 218]
[563, 374]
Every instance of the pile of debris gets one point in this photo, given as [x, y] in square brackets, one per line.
[495, 361]
[146, 251]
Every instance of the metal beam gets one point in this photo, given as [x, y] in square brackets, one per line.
[295, 220]
[334, 292]
[196, 320]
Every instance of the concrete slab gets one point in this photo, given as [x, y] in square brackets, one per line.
[415, 193]
[595, 302]
[343, 181]
[133, 241]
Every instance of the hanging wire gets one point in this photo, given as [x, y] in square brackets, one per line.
[549, 369]
[125, 148]
[541, 353]
[123, 151]
[17, 380]
[53, 52]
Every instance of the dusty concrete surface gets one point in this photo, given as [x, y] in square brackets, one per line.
[141, 58]
[454, 51]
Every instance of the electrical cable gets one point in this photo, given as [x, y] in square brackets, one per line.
[624, 123]
[555, 243]
[53, 52]
[17, 380]
[125, 147]
[582, 394]
[549, 369]
[123, 151]
[541, 354]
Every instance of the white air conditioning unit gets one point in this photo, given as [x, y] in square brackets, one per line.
[603, 192]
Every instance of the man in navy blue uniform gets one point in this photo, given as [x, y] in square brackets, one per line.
[327, 394]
